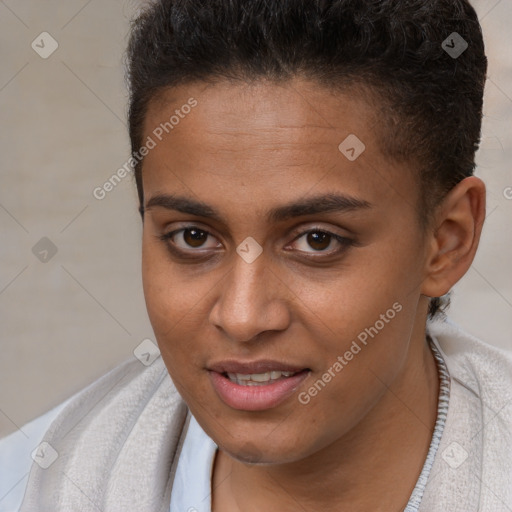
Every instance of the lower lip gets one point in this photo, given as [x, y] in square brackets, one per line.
[256, 398]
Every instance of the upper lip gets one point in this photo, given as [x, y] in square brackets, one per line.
[250, 367]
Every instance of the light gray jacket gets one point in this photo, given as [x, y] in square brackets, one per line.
[118, 441]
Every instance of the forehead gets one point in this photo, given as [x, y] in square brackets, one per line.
[265, 112]
[274, 141]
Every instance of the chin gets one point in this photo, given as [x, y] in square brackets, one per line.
[263, 453]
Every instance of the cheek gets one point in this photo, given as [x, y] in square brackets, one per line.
[170, 299]
[160, 288]
[367, 290]
[170, 296]
[170, 309]
[177, 305]
[364, 314]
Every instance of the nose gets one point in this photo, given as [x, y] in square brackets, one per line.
[250, 300]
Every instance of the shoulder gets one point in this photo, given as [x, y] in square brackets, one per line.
[16, 456]
[483, 369]
[474, 461]
[95, 418]
[123, 392]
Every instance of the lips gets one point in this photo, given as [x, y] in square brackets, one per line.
[256, 385]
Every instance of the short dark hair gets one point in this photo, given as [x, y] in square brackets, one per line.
[431, 101]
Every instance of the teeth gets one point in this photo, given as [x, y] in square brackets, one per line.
[257, 379]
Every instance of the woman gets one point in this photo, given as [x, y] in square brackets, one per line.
[306, 204]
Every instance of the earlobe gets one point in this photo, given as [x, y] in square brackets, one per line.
[455, 238]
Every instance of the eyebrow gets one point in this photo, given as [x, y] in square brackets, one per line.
[312, 205]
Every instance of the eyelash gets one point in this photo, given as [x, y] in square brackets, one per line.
[343, 241]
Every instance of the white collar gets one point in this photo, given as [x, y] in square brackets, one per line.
[191, 491]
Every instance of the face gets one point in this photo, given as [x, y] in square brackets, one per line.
[271, 253]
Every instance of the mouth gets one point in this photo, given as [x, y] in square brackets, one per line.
[255, 386]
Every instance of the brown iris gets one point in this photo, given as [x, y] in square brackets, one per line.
[195, 237]
[316, 238]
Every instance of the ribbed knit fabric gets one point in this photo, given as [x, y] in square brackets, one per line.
[442, 411]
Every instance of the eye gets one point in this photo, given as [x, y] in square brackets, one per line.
[191, 237]
[320, 240]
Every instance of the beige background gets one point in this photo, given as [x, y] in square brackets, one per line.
[67, 321]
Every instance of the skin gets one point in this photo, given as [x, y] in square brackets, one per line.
[361, 442]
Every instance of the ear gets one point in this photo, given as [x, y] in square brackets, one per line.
[455, 236]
